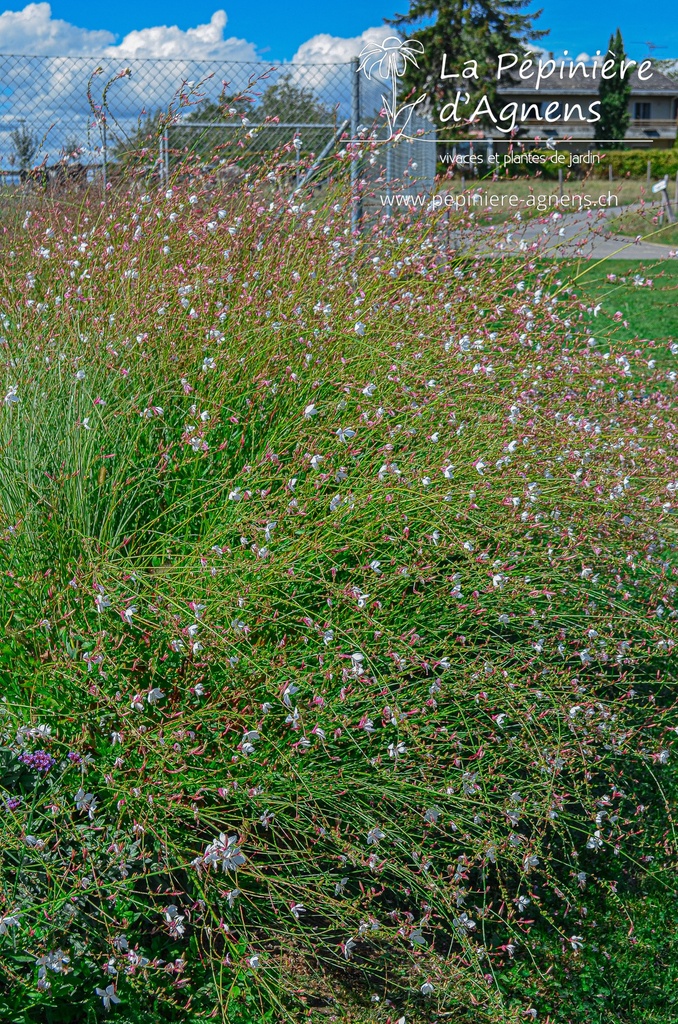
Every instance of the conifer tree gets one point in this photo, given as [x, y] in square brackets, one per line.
[614, 94]
[463, 30]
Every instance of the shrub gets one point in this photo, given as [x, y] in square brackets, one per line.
[633, 163]
[338, 605]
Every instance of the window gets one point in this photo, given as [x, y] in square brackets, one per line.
[643, 111]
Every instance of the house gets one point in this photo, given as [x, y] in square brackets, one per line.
[653, 106]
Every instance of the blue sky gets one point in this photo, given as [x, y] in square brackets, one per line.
[277, 29]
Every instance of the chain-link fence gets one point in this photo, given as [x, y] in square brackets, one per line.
[80, 119]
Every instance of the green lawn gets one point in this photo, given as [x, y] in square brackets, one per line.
[648, 225]
[651, 311]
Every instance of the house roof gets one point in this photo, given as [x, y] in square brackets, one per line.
[657, 85]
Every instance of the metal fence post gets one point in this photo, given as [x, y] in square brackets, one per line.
[104, 159]
[297, 146]
[389, 165]
[356, 203]
[389, 176]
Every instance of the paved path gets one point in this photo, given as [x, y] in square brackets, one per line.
[586, 234]
[590, 233]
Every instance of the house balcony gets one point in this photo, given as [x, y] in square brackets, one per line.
[654, 124]
[655, 128]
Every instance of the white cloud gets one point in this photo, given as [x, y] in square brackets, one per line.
[33, 30]
[327, 49]
[314, 66]
[204, 42]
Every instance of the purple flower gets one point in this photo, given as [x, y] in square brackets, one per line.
[13, 803]
[39, 761]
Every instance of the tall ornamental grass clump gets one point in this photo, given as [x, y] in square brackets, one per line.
[338, 602]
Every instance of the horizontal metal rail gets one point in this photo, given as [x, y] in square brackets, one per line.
[264, 124]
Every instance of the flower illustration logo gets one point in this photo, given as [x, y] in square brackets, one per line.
[388, 60]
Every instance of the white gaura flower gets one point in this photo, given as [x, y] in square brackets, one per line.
[369, 390]
[359, 329]
[310, 411]
[270, 527]
[107, 996]
[315, 461]
[208, 364]
[345, 433]
[224, 853]
[357, 663]
[154, 695]
[427, 989]
[374, 835]
[129, 613]
[595, 841]
[85, 802]
[7, 922]
[288, 693]
[11, 398]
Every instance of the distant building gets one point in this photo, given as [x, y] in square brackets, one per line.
[653, 107]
